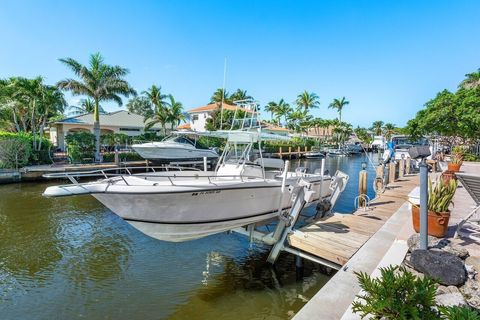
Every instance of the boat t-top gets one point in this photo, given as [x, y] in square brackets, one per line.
[183, 205]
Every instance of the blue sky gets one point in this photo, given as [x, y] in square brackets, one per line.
[387, 57]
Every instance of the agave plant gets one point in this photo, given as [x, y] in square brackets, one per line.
[440, 196]
[458, 155]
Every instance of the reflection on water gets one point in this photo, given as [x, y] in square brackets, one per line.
[71, 258]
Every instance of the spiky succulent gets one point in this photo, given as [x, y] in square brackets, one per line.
[440, 196]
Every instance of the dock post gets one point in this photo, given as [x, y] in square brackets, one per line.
[407, 165]
[299, 268]
[362, 186]
[380, 171]
[401, 170]
[391, 172]
[280, 153]
[290, 151]
[205, 169]
[423, 205]
[117, 157]
[298, 152]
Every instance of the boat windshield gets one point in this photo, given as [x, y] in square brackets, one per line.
[180, 139]
[406, 142]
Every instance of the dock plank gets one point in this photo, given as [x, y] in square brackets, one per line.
[337, 238]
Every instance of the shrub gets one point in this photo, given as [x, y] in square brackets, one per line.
[124, 156]
[80, 145]
[397, 294]
[14, 152]
[470, 157]
[34, 156]
[458, 313]
[211, 142]
[111, 139]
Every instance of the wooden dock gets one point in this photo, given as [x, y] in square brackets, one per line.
[337, 238]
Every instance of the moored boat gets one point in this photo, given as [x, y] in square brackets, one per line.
[175, 147]
[187, 205]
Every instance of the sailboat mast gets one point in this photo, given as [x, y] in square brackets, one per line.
[223, 92]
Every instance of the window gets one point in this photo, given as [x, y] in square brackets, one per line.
[194, 117]
[130, 129]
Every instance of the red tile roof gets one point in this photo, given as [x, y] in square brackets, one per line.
[213, 106]
[185, 126]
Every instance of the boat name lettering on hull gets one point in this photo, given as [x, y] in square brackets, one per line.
[205, 192]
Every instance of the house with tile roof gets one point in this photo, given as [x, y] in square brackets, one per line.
[121, 121]
[199, 116]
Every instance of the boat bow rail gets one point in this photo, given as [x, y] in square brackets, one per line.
[170, 176]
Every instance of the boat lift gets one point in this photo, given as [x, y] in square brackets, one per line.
[300, 194]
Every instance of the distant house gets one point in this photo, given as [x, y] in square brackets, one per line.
[121, 121]
[199, 116]
[271, 128]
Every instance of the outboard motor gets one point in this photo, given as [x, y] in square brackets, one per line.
[389, 153]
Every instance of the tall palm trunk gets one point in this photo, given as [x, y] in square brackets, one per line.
[96, 130]
[15, 121]
[34, 132]
[42, 128]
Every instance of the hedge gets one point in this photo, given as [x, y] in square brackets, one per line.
[24, 142]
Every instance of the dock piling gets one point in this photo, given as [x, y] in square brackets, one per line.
[401, 169]
[391, 172]
[299, 271]
[407, 166]
[423, 205]
[362, 187]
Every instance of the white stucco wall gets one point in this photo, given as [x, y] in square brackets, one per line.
[199, 124]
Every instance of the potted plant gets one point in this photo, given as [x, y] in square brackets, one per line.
[440, 197]
[448, 175]
[456, 160]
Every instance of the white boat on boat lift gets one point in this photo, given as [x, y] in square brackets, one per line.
[186, 205]
[175, 147]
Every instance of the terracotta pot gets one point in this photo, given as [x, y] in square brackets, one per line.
[448, 175]
[454, 167]
[437, 222]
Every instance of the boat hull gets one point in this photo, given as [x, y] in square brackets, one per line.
[189, 215]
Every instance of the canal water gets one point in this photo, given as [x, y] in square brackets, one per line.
[71, 258]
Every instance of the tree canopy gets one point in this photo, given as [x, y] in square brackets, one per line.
[452, 115]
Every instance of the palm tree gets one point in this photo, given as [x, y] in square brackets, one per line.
[339, 104]
[53, 103]
[307, 101]
[240, 95]
[283, 110]
[272, 108]
[388, 130]
[175, 111]
[219, 96]
[295, 120]
[140, 105]
[160, 112]
[86, 106]
[99, 81]
[377, 127]
[472, 81]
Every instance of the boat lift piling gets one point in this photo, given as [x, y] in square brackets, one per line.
[300, 194]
